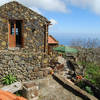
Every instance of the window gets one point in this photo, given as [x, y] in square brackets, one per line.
[16, 31]
[12, 27]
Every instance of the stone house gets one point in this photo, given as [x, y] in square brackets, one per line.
[23, 42]
[20, 27]
[52, 42]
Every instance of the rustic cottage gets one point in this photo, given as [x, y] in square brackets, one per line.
[20, 27]
[23, 42]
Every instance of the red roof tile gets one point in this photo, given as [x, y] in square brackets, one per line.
[52, 40]
[4, 95]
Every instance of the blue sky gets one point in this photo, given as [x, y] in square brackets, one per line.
[71, 19]
[80, 23]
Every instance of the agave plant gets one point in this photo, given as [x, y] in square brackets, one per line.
[8, 79]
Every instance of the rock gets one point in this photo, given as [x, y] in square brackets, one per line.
[13, 87]
[3, 43]
[31, 91]
[17, 58]
[7, 57]
[29, 68]
[22, 62]
[11, 63]
[40, 74]
[4, 20]
[45, 61]
[36, 69]
[4, 61]
[20, 76]
[35, 17]
[39, 57]
[45, 73]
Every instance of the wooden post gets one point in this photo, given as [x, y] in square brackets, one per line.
[46, 37]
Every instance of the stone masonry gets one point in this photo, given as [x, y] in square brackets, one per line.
[24, 63]
[34, 26]
[25, 66]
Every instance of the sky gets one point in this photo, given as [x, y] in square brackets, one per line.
[71, 19]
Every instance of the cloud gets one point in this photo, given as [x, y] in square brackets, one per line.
[53, 21]
[49, 5]
[59, 5]
[36, 10]
[93, 5]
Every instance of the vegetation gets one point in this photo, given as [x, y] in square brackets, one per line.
[18, 93]
[8, 79]
[83, 86]
[93, 74]
[88, 57]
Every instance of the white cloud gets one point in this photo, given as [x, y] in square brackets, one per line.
[59, 5]
[53, 21]
[49, 5]
[93, 5]
[36, 10]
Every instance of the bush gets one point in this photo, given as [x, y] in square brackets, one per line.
[9, 79]
[93, 74]
[83, 86]
[88, 89]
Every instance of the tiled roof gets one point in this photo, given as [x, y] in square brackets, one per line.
[52, 40]
[4, 95]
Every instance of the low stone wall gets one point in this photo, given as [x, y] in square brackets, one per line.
[25, 66]
[73, 88]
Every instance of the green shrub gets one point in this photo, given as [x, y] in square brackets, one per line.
[83, 86]
[92, 73]
[9, 79]
[88, 89]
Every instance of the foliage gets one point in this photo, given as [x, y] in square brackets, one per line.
[18, 93]
[92, 73]
[82, 63]
[8, 79]
[83, 86]
[88, 89]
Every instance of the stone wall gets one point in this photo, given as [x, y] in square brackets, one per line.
[25, 66]
[73, 88]
[34, 26]
[26, 63]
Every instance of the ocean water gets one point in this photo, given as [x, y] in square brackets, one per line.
[67, 39]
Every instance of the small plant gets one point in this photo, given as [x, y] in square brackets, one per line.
[88, 89]
[81, 84]
[9, 79]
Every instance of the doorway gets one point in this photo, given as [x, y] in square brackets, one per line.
[18, 33]
[15, 33]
